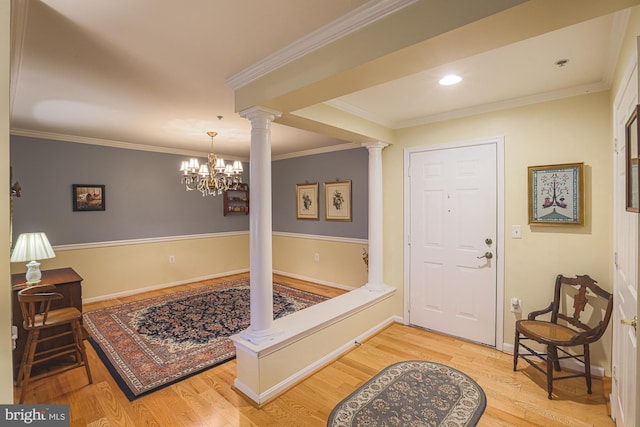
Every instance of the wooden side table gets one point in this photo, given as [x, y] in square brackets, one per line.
[67, 282]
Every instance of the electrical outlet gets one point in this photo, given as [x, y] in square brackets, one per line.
[172, 259]
[316, 257]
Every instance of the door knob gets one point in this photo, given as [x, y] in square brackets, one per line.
[633, 322]
[487, 255]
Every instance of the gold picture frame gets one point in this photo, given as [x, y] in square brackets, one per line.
[307, 201]
[337, 200]
[556, 194]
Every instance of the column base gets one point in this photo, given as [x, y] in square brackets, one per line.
[259, 337]
[376, 287]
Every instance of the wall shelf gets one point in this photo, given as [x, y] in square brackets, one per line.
[237, 201]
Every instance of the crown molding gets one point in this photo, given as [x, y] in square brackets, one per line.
[114, 144]
[19, 9]
[616, 38]
[321, 150]
[341, 105]
[341, 27]
[504, 105]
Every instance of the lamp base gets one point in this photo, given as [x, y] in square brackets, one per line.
[33, 275]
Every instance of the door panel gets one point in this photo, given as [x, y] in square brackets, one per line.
[453, 195]
[624, 365]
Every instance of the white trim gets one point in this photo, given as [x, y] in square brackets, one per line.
[97, 245]
[504, 105]
[318, 237]
[360, 112]
[167, 150]
[162, 286]
[500, 237]
[314, 280]
[569, 364]
[341, 27]
[474, 110]
[19, 12]
[320, 150]
[113, 144]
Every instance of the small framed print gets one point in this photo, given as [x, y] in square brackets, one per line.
[337, 199]
[307, 201]
[556, 194]
[88, 197]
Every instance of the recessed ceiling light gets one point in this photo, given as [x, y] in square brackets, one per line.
[449, 80]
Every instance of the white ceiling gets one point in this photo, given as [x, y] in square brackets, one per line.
[155, 72]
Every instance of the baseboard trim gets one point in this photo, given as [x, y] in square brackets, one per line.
[162, 286]
[573, 365]
[315, 280]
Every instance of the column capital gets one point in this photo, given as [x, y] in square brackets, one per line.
[374, 145]
[260, 113]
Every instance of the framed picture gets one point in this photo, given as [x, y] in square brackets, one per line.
[337, 200]
[88, 197]
[632, 150]
[307, 201]
[556, 194]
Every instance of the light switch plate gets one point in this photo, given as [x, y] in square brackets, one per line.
[516, 232]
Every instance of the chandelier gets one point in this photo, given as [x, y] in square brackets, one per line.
[212, 177]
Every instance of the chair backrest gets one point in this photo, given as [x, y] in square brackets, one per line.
[35, 304]
[597, 299]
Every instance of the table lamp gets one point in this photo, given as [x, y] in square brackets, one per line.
[32, 247]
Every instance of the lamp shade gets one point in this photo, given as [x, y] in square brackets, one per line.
[32, 247]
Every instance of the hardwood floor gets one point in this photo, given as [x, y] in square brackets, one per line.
[207, 399]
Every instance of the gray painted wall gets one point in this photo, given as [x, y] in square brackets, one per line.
[144, 197]
[143, 194]
[339, 165]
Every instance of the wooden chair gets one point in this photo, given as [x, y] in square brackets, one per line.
[565, 329]
[35, 304]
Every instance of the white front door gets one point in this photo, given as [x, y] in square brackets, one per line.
[625, 346]
[453, 240]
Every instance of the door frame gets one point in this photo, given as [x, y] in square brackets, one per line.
[619, 143]
[498, 141]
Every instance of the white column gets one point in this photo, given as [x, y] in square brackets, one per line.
[260, 226]
[375, 280]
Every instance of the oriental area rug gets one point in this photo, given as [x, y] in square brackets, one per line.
[413, 393]
[152, 343]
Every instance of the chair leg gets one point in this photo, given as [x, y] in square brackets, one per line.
[551, 361]
[556, 361]
[81, 353]
[516, 348]
[587, 367]
[23, 360]
[25, 369]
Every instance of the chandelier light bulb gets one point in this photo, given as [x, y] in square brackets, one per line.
[212, 177]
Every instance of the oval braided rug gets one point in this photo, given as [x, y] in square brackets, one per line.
[413, 393]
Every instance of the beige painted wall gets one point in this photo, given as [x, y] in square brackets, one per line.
[6, 373]
[126, 268]
[340, 262]
[570, 130]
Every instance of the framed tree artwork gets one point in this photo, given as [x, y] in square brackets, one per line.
[337, 200]
[307, 201]
[556, 194]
